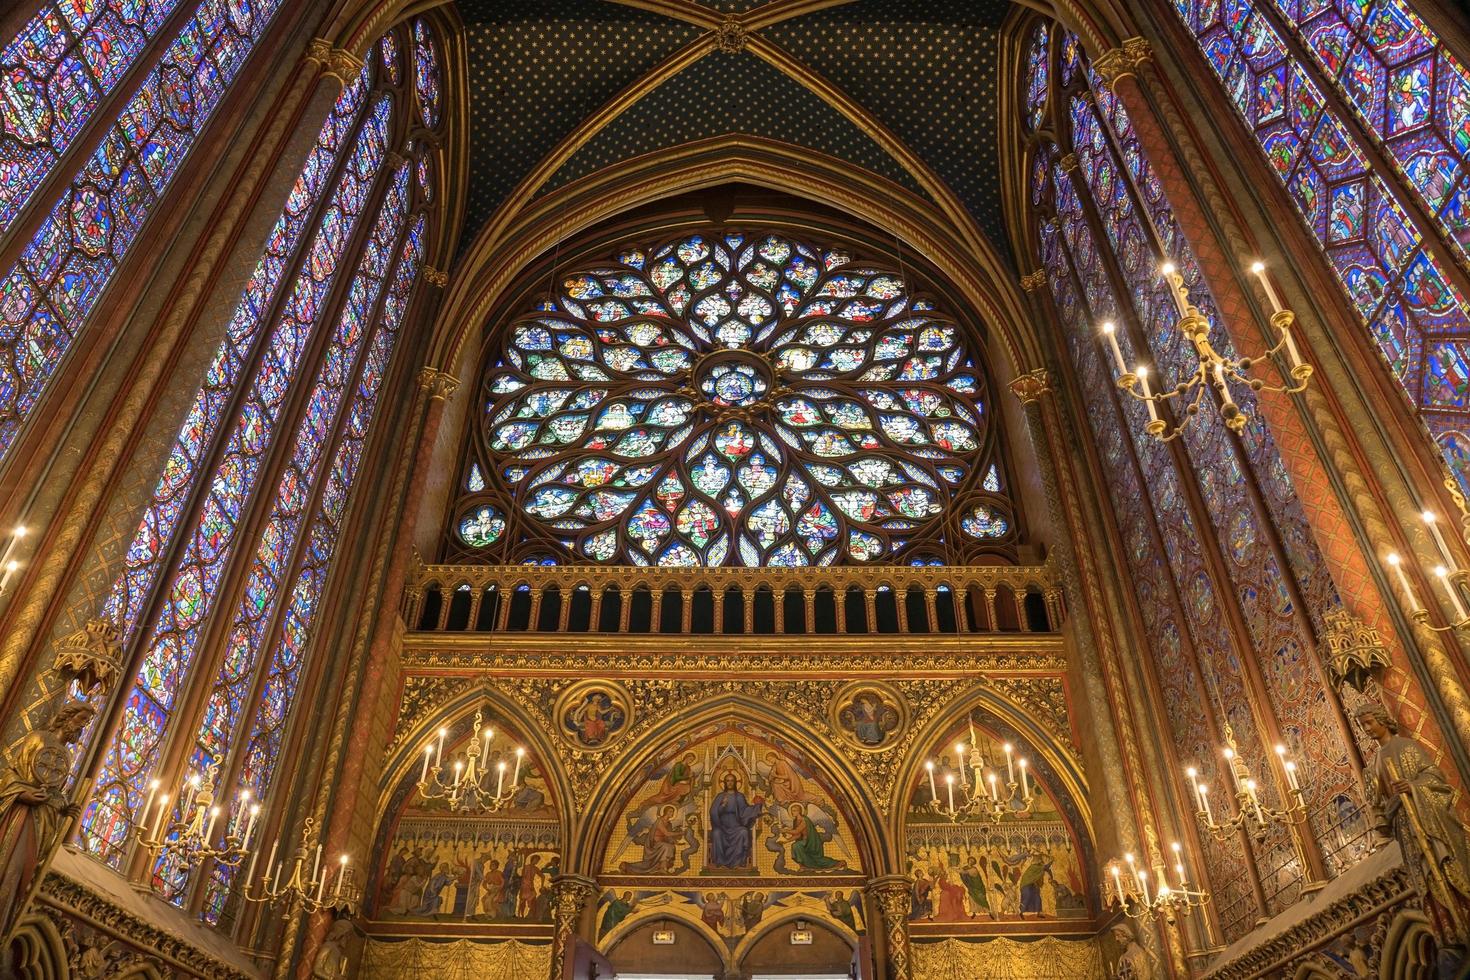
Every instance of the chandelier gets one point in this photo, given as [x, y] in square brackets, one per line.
[981, 795]
[469, 788]
[188, 839]
[1215, 372]
[1250, 811]
[1131, 888]
[291, 885]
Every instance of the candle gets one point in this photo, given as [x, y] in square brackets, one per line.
[341, 877]
[321, 886]
[1179, 865]
[1204, 798]
[458, 772]
[959, 748]
[1434, 532]
[1118, 884]
[271, 862]
[516, 776]
[193, 786]
[239, 814]
[1291, 776]
[1293, 356]
[949, 782]
[1025, 787]
[10, 568]
[424, 775]
[317, 864]
[933, 790]
[1010, 769]
[1259, 269]
[439, 752]
[15, 538]
[1229, 755]
[213, 817]
[1396, 563]
[1110, 333]
[158, 816]
[1250, 792]
[1449, 587]
[143, 813]
[1153, 409]
[1143, 886]
[500, 782]
[250, 871]
[250, 824]
[994, 793]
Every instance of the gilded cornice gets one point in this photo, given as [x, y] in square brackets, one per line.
[339, 63]
[1030, 386]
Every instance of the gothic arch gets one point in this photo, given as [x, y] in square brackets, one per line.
[38, 950]
[1409, 950]
[589, 841]
[768, 926]
[642, 917]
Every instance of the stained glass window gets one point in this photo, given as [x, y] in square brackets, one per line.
[1411, 98]
[1038, 81]
[426, 73]
[54, 74]
[732, 400]
[47, 296]
[172, 642]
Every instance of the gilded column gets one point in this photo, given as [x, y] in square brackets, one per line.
[570, 895]
[1166, 139]
[894, 896]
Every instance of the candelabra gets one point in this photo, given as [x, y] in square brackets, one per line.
[469, 789]
[1215, 371]
[973, 801]
[188, 839]
[1131, 888]
[1451, 578]
[1250, 812]
[295, 888]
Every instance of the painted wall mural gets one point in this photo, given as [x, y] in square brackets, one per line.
[732, 914]
[730, 801]
[972, 876]
[436, 866]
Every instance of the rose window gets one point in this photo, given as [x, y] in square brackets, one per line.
[732, 400]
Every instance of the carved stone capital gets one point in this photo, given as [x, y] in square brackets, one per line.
[1118, 63]
[731, 36]
[1034, 280]
[894, 896]
[1031, 386]
[436, 277]
[1068, 163]
[569, 897]
[92, 657]
[438, 384]
[339, 63]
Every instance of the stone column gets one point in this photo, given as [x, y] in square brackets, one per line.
[894, 896]
[569, 897]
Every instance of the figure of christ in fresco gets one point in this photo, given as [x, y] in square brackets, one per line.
[808, 846]
[732, 818]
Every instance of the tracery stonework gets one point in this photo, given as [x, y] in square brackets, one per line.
[733, 399]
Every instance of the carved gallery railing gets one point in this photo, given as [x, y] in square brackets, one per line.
[898, 599]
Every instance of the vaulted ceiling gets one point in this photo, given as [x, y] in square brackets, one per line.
[541, 71]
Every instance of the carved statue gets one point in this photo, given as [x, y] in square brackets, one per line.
[332, 959]
[1134, 962]
[1412, 804]
[34, 810]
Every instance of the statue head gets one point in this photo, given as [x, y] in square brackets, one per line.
[1373, 715]
[70, 719]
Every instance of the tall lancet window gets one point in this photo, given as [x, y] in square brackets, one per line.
[70, 210]
[1228, 580]
[262, 470]
[1363, 115]
[733, 399]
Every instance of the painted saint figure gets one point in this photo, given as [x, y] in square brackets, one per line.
[1411, 802]
[731, 820]
[808, 848]
[659, 844]
[869, 719]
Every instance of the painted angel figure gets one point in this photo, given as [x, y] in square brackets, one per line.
[1411, 802]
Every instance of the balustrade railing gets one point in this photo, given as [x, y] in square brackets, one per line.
[585, 599]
